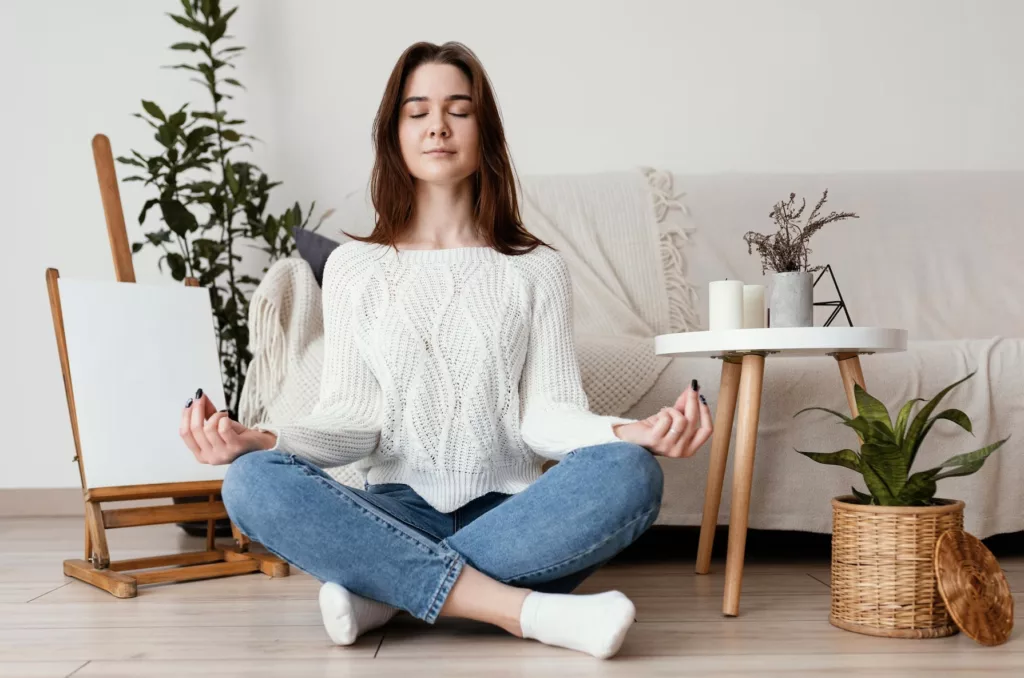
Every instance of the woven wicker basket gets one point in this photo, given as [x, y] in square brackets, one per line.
[883, 571]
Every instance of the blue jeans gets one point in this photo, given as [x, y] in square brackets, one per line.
[388, 544]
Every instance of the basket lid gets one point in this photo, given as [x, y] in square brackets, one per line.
[973, 587]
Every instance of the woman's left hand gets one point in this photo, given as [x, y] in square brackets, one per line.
[677, 431]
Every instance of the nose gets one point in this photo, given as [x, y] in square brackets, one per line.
[438, 128]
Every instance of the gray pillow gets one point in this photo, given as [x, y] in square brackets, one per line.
[315, 249]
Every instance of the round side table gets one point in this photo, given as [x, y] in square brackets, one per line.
[743, 353]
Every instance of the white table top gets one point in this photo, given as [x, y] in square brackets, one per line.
[782, 342]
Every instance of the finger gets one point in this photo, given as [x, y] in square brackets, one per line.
[675, 440]
[238, 438]
[212, 431]
[691, 407]
[196, 424]
[185, 431]
[692, 412]
[704, 432]
[675, 433]
[661, 425]
[209, 409]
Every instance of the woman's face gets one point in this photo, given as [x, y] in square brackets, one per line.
[437, 125]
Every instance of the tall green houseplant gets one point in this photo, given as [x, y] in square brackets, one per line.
[211, 204]
[888, 449]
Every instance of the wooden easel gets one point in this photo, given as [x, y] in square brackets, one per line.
[120, 577]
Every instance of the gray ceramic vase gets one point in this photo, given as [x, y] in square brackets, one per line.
[792, 299]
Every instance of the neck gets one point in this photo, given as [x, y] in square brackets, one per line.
[442, 217]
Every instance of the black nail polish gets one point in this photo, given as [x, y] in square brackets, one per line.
[199, 393]
[694, 385]
[224, 410]
[188, 403]
[703, 399]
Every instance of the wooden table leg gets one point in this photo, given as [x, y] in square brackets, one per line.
[725, 410]
[849, 370]
[751, 380]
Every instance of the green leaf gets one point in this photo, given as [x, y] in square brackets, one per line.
[904, 416]
[969, 462]
[178, 218]
[864, 498]
[137, 247]
[130, 161]
[953, 415]
[913, 439]
[177, 264]
[871, 408]
[153, 110]
[232, 81]
[229, 174]
[845, 458]
[188, 8]
[823, 409]
[145, 208]
[188, 23]
[889, 462]
[919, 490]
[864, 429]
[190, 46]
[177, 119]
[230, 135]
[879, 490]
[159, 237]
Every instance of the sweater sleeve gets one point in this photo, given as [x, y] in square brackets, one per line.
[556, 418]
[344, 426]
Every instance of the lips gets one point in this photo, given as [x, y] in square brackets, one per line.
[440, 151]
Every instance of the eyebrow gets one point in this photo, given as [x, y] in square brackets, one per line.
[450, 97]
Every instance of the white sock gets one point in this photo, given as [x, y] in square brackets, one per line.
[348, 616]
[595, 624]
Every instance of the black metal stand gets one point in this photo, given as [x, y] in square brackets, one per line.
[839, 305]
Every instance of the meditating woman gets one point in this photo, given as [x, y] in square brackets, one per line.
[451, 376]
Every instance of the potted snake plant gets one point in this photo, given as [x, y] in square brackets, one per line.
[883, 540]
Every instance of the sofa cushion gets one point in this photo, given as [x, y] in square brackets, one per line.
[315, 249]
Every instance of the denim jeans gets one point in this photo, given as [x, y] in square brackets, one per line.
[386, 543]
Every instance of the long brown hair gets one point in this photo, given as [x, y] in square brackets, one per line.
[495, 202]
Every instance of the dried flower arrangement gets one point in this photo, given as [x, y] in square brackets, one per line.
[786, 250]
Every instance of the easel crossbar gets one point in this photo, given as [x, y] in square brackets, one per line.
[162, 515]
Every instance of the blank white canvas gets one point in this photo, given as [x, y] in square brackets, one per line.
[137, 353]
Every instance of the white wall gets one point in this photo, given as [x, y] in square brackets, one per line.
[696, 87]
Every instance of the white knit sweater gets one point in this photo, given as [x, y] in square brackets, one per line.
[452, 371]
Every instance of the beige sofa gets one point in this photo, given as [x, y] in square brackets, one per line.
[939, 254]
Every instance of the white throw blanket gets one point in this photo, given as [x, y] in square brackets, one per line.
[623, 238]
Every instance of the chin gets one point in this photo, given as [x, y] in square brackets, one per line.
[443, 175]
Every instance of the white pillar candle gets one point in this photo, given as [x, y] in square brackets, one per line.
[753, 306]
[725, 305]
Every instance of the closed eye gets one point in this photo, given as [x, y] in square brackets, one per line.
[457, 115]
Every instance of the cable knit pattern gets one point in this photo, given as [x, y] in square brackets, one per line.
[453, 371]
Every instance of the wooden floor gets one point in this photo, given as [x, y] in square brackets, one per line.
[253, 626]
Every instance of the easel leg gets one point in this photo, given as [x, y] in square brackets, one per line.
[211, 528]
[751, 381]
[88, 541]
[850, 371]
[100, 556]
[725, 411]
[240, 539]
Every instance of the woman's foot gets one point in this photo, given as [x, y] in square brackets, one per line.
[348, 616]
[595, 624]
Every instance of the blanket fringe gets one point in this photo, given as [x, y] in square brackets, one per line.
[674, 239]
[269, 361]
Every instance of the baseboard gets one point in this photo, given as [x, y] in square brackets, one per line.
[41, 501]
[56, 502]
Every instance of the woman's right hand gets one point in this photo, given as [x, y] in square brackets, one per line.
[214, 438]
